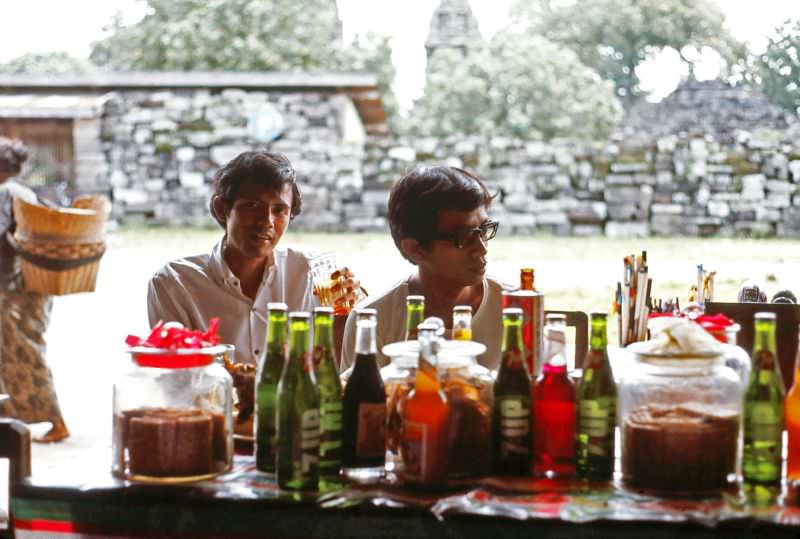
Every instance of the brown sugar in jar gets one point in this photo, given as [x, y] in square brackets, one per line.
[163, 442]
[679, 448]
[172, 416]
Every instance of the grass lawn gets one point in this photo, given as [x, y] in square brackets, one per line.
[574, 273]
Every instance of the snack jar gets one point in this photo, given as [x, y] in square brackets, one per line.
[679, 418]
[468, 387]
[172, 415]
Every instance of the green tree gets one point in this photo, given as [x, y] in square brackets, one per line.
[777, 71]
[543, 88]
[522, 85]
[616, 36]
[243, 35]
[373, 54]
[223, 34]
[456, 97]
[45, 63]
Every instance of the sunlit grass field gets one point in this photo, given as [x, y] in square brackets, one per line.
[574, 273]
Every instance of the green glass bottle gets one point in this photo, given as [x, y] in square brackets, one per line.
[297, 413]
[330, 395]
[511, 412]
[763, 408]
[597, 409]
[270, 368]
[415, 314]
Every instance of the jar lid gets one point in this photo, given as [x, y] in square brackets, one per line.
[182, 358]
[676, 359]
[448, 349]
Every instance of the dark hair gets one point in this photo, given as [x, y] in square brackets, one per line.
[784, 296]
[259, 167]
[417, 197]
[13, 154]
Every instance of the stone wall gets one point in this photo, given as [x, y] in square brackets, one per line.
[162, 149]
[679, 185]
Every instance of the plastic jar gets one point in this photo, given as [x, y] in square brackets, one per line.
[172, 416]
[468, 387]
[679, 422]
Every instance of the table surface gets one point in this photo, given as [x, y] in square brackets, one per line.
[246, 503]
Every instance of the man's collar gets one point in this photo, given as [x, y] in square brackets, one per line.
[224, 273]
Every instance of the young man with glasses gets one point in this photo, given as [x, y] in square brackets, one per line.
[439, 222]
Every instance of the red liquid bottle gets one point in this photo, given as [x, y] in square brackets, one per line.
[554, 407]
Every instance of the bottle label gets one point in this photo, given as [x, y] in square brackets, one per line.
[308, 362]
[515, 427]
[512, 357]
[317, 355]
[415, 446]
[309, 440]
[331, 417]
[371, 439]
[595, 421]
[766, 423]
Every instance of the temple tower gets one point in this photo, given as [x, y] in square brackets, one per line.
[453, 26]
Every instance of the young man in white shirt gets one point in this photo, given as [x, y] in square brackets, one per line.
[439, 222]
[255, 197]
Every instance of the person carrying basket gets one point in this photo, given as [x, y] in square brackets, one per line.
[24, 315]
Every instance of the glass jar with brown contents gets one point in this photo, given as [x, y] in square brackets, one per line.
[468, 387]
[679, 417]
[172, 416]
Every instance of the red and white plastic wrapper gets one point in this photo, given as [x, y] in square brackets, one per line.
[175, 344]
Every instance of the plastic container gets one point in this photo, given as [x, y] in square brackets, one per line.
[679, 422]
[172, 416]
[469, 390]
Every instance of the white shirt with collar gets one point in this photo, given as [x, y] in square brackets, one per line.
[195, 289]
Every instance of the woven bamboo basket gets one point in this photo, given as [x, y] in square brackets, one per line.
[61, 248]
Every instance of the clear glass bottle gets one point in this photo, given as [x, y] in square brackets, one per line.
[462, 323]
[364, 410]
[365, 313]
[172, 417]
[679, 422]
[734, 356]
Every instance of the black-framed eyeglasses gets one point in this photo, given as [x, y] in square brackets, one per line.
[468, 236]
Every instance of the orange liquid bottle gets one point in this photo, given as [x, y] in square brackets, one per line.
[791, 414]
[425, 421]
[526, 279]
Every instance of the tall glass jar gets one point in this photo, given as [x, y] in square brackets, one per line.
[679, 420]
[469, 390]
[172, 416]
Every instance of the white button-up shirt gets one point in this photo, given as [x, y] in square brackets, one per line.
[195, 289]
